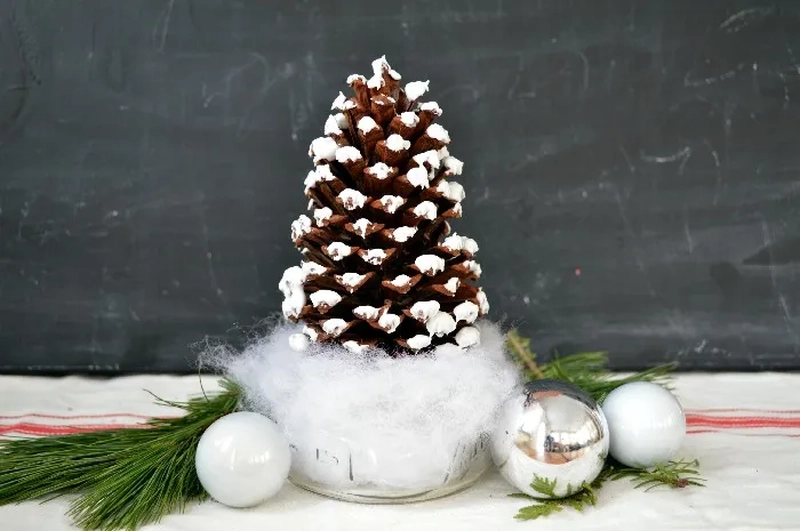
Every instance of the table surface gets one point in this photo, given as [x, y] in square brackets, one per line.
[744, 428]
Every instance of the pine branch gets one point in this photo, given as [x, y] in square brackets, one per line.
[520, 348]
[587, 370]
[125, 478]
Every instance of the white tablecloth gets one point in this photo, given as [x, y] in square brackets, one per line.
[744, 428]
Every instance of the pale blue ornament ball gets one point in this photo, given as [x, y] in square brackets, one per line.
[646, 424]
[242, 459]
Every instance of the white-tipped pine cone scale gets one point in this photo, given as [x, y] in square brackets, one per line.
[377, 243]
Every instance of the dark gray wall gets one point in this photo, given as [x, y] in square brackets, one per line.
[633, 168]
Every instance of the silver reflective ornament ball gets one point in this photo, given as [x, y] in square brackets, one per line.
[550, 430]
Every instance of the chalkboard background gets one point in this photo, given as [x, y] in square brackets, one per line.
[632, 168]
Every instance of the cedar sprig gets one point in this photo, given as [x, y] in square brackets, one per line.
[125, 478]
[579, 498]
[673, 474]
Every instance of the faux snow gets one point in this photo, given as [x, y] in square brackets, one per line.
[468, 336]
[438, 132]
[396, 142]
[452, 285]
[366, 312]
[400, 280]
[453, 165]
[341, 120]
[366, 124]
[474, 267]
[419, 342]
[322, 214]
[338, 103]
[389, 322]
[429, 263]
[334, 327]
[454, 242]
[367, 419]
[347, 154]
[362, 225]
[467, 311]
[455, 192]
[338, 250]
[403, 234]
[441, 324]
[313, 268]
[430, 156]
[483, 301]
[391, 203]
[380, 170]
[301, 226]
[409, 119]
[355, 346]
[470, 245]
[422, 311]
[418, 177]
[352, 279]
[332, 126]
[322, 148]
[325, 297]
[374, 256]
[426, 209]
[311, 180]
[352, 199]
[416, 89]
[431, 106]
[378, 66]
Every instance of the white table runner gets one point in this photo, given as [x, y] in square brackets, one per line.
[744, 428]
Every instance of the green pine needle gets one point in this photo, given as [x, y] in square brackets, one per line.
[588, 371]
[125, 478]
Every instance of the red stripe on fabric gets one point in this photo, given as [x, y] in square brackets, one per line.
[696, 421]
[32, 428]
[743, 422]
[750, 434]
[742, 417]
[49, 430]
[70, 417]
[743, 410]
[692, 412]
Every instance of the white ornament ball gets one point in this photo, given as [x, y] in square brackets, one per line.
[242, 459]
[646, 423]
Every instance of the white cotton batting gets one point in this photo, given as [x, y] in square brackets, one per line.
[367, 419]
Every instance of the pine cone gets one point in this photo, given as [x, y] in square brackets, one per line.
[381, 268]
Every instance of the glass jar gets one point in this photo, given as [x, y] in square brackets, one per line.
[336, 468]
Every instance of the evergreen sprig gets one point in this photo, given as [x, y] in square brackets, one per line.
[125, 478]
[588, 371]
[674, 474]
[576, 498]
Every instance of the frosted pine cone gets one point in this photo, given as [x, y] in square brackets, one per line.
[381, 267]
